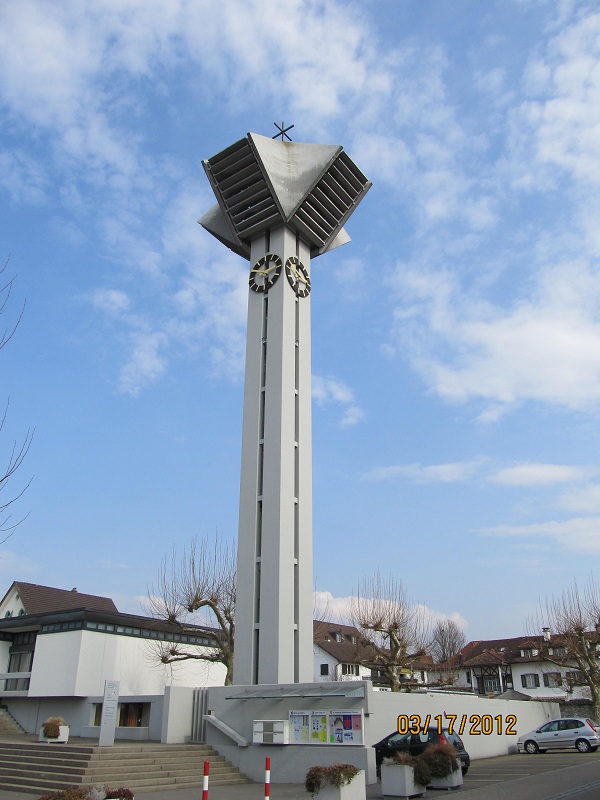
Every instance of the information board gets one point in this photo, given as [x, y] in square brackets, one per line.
[335, 727]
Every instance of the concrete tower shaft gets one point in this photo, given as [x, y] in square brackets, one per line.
[279, 204]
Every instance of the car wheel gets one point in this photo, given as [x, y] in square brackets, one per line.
[594, 749]
[583, 745]
[531, 747]
[465, 770]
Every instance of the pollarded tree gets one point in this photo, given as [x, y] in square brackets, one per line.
[16, 451]
[198, 589]
[395, 630]
[447, 639]
[571, 639]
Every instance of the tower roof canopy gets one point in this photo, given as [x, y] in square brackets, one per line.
[261, 183]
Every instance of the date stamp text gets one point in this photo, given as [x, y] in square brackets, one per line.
[474, 724]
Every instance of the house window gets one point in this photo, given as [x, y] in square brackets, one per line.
[350, 669]
[558, 651]
[324, 669]
[575, 677]
[530, 680]
[18, 662]
[491, 683]
[552, 679]
[528, 653]
[468, 675]
[134, 715]
[131, 715]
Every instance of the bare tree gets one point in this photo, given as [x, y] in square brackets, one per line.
[569, 624]
[395, 630]
[447, 639]
[198, 589]
[16, 452]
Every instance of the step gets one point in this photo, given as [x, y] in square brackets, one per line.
[33, 767]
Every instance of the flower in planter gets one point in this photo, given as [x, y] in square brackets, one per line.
[336, 775]
[420, 767]
[119, 794]
[442, 759]
[51, 728]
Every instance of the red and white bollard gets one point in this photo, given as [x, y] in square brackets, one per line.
[205, 780]
[267, 778]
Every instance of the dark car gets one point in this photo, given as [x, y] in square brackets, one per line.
[415, 744]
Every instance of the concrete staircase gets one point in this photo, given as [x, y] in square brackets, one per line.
[144, 767]
[8, 724]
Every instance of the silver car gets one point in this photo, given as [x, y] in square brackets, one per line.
[581, 733]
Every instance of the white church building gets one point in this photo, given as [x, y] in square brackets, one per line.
[59, 647]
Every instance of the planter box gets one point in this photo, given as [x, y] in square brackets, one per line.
[398, 780]
[452, 781]
[62, 738]
[356, 790]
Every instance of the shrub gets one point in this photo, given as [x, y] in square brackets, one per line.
[421, 771]
[89, 793]
[73, 793]
[336, 775]
[442, 759]
[51, 728]
[122, 792]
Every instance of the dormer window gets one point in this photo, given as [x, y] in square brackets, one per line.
[338, 636]
[528, 652]
[557, 651]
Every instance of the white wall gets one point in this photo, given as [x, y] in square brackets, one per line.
[4, 655]
[77, 663]
[386, 707]
[381, 713]
[321, 657]
[11, 605]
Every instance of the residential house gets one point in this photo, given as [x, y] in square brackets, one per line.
[497, 665]
[340, 653]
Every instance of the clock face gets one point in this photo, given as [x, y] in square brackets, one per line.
[298, 277]
[265, 272]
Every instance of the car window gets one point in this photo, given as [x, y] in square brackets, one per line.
[454, 739]
[550, 726]
[397, 738]
[567, 724]
[591, 722]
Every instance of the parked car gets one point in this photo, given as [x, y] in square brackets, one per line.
[557, 734]
[415, 744]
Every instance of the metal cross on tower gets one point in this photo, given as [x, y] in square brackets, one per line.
[279, 205]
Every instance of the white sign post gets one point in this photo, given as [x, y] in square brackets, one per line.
[109, 713]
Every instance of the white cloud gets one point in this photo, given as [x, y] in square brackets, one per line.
[326, 390]
[113, 302]
[146, 362]
[336, 609]
[13, 566]
[453, 472]
[540, 474]
[579, 535]
[582, 500]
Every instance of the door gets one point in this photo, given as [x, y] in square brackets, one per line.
[548, 736]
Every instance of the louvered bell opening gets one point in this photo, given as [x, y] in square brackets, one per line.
[243, 189]
[331, 201]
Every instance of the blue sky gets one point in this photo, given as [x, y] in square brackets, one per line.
[456, 339]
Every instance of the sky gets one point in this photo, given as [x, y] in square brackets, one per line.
[455, 339]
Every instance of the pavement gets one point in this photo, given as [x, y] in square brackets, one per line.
[556, 776]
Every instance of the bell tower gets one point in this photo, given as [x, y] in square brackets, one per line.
[280, 205]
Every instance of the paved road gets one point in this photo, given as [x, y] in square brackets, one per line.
[552, 776]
